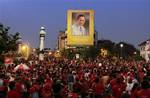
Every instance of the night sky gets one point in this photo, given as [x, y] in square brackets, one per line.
[117, 20]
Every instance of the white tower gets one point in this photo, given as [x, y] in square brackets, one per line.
[42, 39]
[19, 44]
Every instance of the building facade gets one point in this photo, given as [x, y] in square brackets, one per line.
[145, 50]
[62, 40]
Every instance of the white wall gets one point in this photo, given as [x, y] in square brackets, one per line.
[145, 52]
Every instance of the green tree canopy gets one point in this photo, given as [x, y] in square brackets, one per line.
[127, 49]
[8, 42]
[108, 45]
[114, 49]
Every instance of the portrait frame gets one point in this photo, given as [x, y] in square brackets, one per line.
[73, 40]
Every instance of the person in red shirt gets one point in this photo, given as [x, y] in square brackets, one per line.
[13, 93]
[113, 82]
[145, 91]
[64, 91]
[118, 88]
[134, 90]
[84, 88]
[34, 90]
[47, 89]
[98, 88]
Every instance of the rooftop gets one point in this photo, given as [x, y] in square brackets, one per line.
[143, 43]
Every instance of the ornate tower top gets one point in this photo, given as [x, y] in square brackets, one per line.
[42, 31]
[42, 28]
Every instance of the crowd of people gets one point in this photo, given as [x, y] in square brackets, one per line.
[64, 78]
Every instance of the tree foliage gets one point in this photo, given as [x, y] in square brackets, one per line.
[108, 45]
[114, 49]
[8, 42]
[128, 50]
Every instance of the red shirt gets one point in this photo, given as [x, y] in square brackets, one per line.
[19, 87]
[117, 90]
[64, 92]
[46, 94]
[2, 88]
[134, 93]
[141, 75]
[113, 82]
[99, 89]
[34, 88]
[144, 93]
[13, 94]
[77, 85]
[6, 82]
[84, 86]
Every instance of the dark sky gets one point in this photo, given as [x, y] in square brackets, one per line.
[117, 20]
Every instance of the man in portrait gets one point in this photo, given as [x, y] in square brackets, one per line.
[78, 28]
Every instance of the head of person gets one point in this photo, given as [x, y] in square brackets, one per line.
[81, 20]
[12, 85]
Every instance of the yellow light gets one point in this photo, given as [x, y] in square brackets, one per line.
[25, 50]
[104, 52]
[24, 47]
[50, 53]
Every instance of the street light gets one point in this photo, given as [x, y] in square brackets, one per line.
[25, 50]
[135, 53]
[121, 46]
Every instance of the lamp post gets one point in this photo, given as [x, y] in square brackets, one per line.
[121, 46]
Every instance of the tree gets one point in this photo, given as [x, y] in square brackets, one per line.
[108, 45]
[68, 53]
[8, 42]
[114, 49]
[91, 52]
[128, 50]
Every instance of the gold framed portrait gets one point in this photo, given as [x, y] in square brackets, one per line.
[80, 27]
